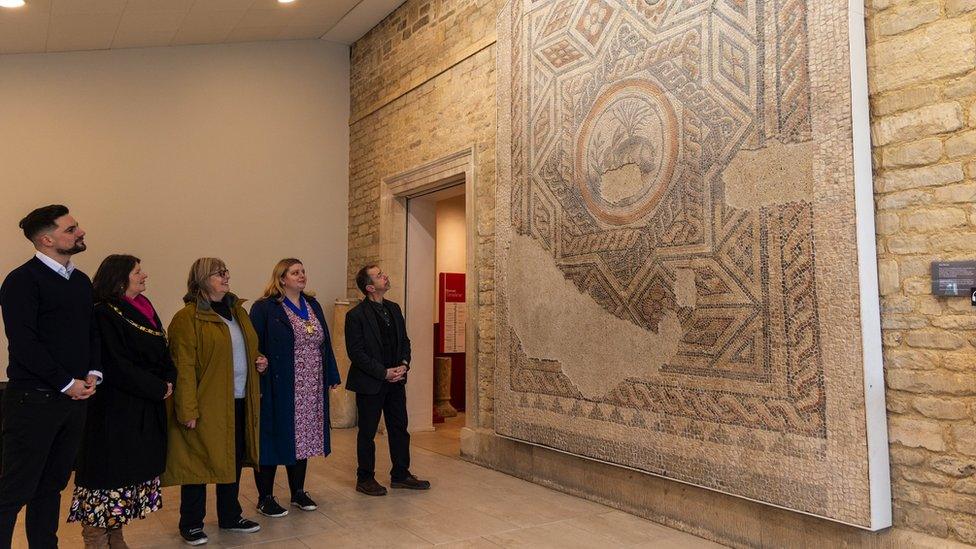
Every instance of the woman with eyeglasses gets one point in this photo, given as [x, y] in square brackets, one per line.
[295, 394]
[124, 447]
[213, 427]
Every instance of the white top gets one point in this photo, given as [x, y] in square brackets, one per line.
[240, 356]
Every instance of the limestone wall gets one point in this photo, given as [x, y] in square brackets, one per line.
[422, 85]
[433, 94]
[921, 57]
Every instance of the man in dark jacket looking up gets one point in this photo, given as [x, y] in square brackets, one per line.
[379, 352]
[53, 369]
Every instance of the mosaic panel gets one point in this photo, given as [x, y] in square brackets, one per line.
[677, 244]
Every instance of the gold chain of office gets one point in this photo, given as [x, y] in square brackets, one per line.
[136, 324]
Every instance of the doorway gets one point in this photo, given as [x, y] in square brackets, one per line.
[457, 168]
[435, 309]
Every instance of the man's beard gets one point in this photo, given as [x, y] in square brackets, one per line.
[78, 247]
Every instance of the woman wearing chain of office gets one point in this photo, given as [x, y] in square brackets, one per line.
[302, 368]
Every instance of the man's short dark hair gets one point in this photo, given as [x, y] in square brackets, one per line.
[363, 279]
[42, 219]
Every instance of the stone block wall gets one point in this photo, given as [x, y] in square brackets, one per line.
[921, 60]
[423, 83]
[423, 87]
[415, 43]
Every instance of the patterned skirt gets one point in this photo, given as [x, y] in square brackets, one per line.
[117, 507]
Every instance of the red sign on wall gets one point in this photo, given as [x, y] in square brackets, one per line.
[453, 312]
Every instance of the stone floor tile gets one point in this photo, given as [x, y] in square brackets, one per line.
[623, 529]
[476, 543]
[367, 535]
[557, 535]
[455, 525]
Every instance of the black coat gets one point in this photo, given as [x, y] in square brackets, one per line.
[364, 343]
[125, 433]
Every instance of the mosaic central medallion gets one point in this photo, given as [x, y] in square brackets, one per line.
[626, 151]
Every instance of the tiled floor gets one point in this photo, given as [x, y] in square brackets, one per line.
[468, 506]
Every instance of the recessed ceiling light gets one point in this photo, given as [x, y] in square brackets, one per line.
[285, 1]
[11, 3]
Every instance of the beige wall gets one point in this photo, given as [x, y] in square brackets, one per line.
[422, 85]
[450, 242]
[238, 151]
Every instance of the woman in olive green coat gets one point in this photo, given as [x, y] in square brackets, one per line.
[215, 410]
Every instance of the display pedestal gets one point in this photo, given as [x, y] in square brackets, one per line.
[342, 403]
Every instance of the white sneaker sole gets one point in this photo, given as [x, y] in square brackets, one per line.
[306, 507]
[201, 541]
[273, 516]
[242, 530]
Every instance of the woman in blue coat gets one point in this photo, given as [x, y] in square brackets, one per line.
[295, 391]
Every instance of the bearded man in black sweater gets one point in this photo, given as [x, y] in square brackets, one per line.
[53, 368]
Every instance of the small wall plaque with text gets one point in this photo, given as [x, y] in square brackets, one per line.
[953, 278]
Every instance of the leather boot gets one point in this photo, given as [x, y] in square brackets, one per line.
[115, 540]
[95, 537]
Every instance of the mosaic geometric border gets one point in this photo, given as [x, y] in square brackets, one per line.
[765, 394]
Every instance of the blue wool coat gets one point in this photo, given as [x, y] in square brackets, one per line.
[277, 343]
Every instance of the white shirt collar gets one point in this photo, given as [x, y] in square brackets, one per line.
[62, 270]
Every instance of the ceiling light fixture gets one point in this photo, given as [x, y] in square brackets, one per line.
[285, 1]
[11, 3]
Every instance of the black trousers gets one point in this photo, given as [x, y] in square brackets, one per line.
[42, 432]
[193, 497]
[265, 476]
[391, 401]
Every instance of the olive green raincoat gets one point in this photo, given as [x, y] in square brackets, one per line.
[200, 344]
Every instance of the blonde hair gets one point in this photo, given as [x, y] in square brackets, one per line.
[197, 287]
[274, 289]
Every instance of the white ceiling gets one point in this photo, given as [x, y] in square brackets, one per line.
[72, 25]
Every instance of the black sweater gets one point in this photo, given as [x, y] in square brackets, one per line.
[48, 321]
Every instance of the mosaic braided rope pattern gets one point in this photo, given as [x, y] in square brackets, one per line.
[676, 249]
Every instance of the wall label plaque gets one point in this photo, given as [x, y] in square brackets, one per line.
[953, 278]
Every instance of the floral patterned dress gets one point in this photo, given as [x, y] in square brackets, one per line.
[309, 392]
[117, 507]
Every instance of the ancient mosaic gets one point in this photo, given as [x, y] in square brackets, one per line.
[676, 256]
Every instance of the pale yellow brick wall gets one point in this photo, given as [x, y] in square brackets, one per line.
[419, 40]
[921, 59]
[423, 86]
[418, 96]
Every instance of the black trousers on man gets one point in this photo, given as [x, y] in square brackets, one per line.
[193, 497]
[42, 431]
[391, 401]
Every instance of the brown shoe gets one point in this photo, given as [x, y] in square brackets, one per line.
[370, 487]
[115, 539]
[95, 538]
[411, 483]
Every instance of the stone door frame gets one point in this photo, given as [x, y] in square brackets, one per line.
[447, 171]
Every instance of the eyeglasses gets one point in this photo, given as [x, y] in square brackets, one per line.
[221, 273]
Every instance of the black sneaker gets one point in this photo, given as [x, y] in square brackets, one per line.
[243, 526]
[303, 501]
[411, 483]
[194, 536]
[269, 507]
